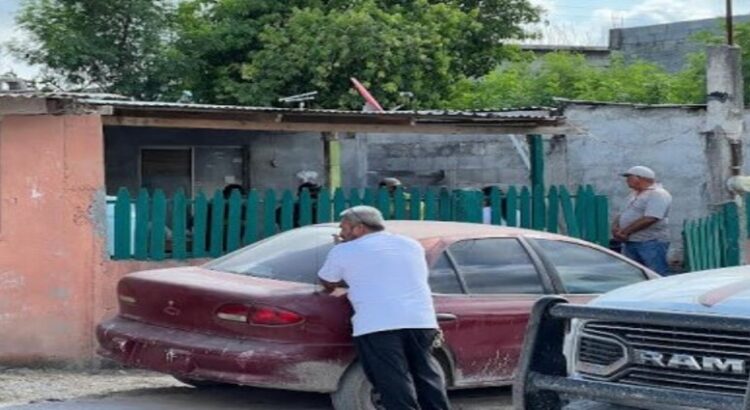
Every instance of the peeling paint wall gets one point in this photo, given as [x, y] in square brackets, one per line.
[51, 172]
[669, 140]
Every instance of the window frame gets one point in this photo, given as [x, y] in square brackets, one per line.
[555, 275]
[537, 263]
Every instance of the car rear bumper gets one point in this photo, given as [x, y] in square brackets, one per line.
[543, 383]
[272, 364]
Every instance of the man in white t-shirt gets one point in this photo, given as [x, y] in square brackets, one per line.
[394, 319]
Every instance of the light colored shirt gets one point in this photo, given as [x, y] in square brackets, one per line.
[387, 278]
[654, 202]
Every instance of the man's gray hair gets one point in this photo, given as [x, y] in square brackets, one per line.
[364, 215]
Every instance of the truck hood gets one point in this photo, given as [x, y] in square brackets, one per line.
[723, 292]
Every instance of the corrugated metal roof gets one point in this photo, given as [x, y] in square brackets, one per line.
[518, 113]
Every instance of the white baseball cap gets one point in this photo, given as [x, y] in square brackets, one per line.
[640, 171]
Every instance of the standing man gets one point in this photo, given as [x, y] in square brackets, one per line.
[642, 225]
[394, 320]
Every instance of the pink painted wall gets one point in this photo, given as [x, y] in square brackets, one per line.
[56, 281]
[51, 172]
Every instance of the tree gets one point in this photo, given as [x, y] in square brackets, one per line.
[254, 52]
[566, 75]
[113, 46]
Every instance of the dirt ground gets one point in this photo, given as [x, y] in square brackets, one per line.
[22, 385]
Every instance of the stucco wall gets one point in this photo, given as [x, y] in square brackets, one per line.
[669, 140]
[273, 162]
[51, 179]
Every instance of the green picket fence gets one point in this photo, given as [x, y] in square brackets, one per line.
[154, 227]
[713, 241]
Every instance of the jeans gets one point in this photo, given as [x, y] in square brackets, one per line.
[400, 366]
[652, 254]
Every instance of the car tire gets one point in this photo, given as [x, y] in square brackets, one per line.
[355, 392]
[199, 384]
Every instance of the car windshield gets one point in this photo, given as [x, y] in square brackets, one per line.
[295, 255]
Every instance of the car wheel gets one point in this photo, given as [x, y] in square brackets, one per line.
[355, 392]
[199, 384]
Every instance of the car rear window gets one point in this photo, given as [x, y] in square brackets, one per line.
[294, 256]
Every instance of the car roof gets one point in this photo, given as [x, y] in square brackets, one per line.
[421, 230]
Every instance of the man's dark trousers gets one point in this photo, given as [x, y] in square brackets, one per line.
[400, 366]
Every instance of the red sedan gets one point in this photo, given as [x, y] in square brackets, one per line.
[257, 316]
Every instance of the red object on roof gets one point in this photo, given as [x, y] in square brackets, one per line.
[366, 95]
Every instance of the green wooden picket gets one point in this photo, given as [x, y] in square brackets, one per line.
[123, 228]
[251, 218]
[415, 204]
[511, 209]
[238, 220]
[354, 197]
[399, 204]
[179, 225]
[580, 210]
[525, 207]
[369, 197]
[383, 203]
[496, 217]
[732, 231]
[287, 211]
[234, 221]
[305, 208]
[571, 220]
[200, 225]
[269, 213]
[216, 238]
[553, 210]
[158, 225]
[445, 205]
[430, 205]
[324, 206]
[142, 207]
[339, 204]
[538, 208]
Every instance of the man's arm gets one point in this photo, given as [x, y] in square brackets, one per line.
[639, 224]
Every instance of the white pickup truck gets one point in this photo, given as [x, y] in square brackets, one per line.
[677, 342]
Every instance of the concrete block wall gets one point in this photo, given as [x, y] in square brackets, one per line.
[434, 160]
[664, 44]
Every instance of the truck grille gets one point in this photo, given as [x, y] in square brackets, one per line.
[668, 341]
[598, 351]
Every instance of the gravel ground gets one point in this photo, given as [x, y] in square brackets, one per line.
[22, 385]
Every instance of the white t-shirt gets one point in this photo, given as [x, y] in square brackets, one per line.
[387, 278]
[655, 202]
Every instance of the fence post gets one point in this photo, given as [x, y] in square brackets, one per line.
[216, 247]
[269, 213]
[158, 225]
[571, 220]
[732, 229]
[200, 215]
[123, 227]
[324, 206]
[141, 225]
[415, 204]
[179, 225]
[251, 218]
[430, 205]
[286, 221]
[553, 210]
[339, 203]
[538, 211]
[525, 208]
[234, 220]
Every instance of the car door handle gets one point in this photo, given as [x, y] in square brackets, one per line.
[446, 317]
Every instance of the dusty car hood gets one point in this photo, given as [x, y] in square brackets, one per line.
[721, 291]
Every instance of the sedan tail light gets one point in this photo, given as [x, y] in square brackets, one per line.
[258, 315]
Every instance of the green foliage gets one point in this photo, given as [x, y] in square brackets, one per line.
[114, 46]
[566, 75]
[255, 52]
